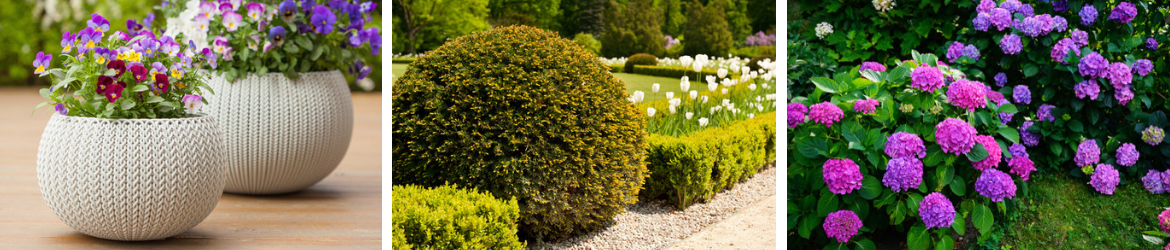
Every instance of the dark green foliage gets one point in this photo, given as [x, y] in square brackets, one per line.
[672, 72]
[447, 217]
[586, 40]
[755, 62]
[861, 33]
[633, 28]
[673, 19]
[752, 51]
[582, 16]
[806, 61]
[640, 59]
[520, 112]
[737, 20]
[691, 168]
[707, 31]
[538, 13]
[763, 14]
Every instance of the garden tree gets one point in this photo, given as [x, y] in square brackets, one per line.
[737, 19]
[762, 14]
[538, 13]
[673, 20]
[582, 16]
[707, 31]
[426, 24]
[631, 29]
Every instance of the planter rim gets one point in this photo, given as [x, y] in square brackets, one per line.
[197, 116]
[253, 74]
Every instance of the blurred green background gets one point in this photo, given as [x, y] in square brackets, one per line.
[31, 26]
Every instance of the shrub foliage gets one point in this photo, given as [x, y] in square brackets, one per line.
[450, 218]
[640, 59]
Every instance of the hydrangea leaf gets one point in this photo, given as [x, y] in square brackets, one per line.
[825, 84]
[958, 186]
[918, 238]
[960, 224]
[977, 153]
[983, 219]
[870, 187]
[827, 204]
[1010, 134]
[946, 242]
[865, 244]
[807, 224]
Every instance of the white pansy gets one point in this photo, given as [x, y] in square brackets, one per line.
[823, 29]
[654, 88]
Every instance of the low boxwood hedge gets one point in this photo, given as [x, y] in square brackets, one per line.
[672, 72]
[685, 169]
[447, 217]
[402, 60]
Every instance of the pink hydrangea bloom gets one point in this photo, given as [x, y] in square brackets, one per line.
[955, 136]
[994, 153]
[967, 94]
[842, 176]
[825, 113]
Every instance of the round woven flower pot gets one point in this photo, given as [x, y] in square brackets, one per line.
[131, 179]
[282, 135]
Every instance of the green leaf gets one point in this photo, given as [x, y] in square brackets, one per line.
[825, 84]
[870, 187]
[945, 175]
[918, 238]
[865, 244]
[317, 53]
[983, 219]
[945, 243]
[1156, 233]
[45, 93]
[807, 224]
[1076, 126]
[1008, 108]
[978, 153]
[64, 83]
[960, 224]
[127, 103]
[827, 204]
[291, 48]
[39, 106]
[913, 202]
[1030, 70]
[1011, 134]
[154, 99]
[139, 88]
[958, 186]
[304, 42]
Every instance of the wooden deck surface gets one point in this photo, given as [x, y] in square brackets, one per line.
[344, 211]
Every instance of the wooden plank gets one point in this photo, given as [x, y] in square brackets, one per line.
[342, 211]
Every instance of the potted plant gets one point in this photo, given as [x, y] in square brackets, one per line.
[126, 154]
[283, 101]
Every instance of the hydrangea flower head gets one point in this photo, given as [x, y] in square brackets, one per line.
[1005, 117]
[1045, 113]
[883, 5]
[796, 112]
[1123, 13]
[1143, 67]
[955, 51]
[1119, 74]
[1080, 38]
[1088, 15]
[1153, 182]
[1105, 179]
[823, 29]
[1027, 137]
[1032, 27]
[1000, 79]
[1153, 135]
[1059, 23]
[1046, 23]
[994, 153]
[936, 211]
[1087, 88]
[1011, 5]
[1061, 49]
[903, 174]
[902, 144]
[1060, 5]
[1151, 43]
[971, 51]
[1088, 153]
[1123, 95]
[1001, 18]
[842, 176]
[982, 21]
[842, 225]
[1127, 155]
[926, 78]
[955, 136]
[985, 6]
[1010, 44]
[1026, 10]
[995, 97]
[967, 94]
[1021, 94]
[825, 113]
[1164, 220]
[865, 106]
[1022, 166]
[995, 185]
[1017, 150]
[872, 66]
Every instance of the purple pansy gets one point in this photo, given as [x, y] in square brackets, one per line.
[232, 21]
[67, 41]
[322, 20]
[192, 103]
[133, 27]
[208, 9]
[255, 11]
[277, 35]
[42, 63]
[98, 23]
[288, 10]
[88, 40]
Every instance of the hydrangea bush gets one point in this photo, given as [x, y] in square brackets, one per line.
[932, 155]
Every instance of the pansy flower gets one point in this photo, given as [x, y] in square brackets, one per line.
[118, 66]
[254, 44]
[146, 46]
[177, 71]
[156, 69]
[103, 55]
[202, 23]
[114, 92]
[138, 71]
[42, 62]
[133, 27]
[303, 28]
[361, 70]
[103, 84]
[375, 40]
[67, 41]
[307, 6]
[161, 83]
[225, 7]
[232, 20]
[148, 20]
[61, 109]
[277, 35]
[267, 46]
[255, 11]
[322, 20]
[171, 48]
[98, 23]
[368, 6]
[210, 57]
[221, 45]
[207, 10]
[89, 39]
[288, 10]
[147, 34]
[192, 103]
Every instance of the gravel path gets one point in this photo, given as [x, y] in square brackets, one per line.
[654, 225]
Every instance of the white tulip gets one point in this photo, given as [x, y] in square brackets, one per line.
[694, 94]
[654, 88]
[752, 87]
[703, 122]
[753, 75]
[712, 86]
[704, 99]
[669, 94]
[750, 116]
[722, 73]
[686, 61]
[745, 69]
[724, 91]
[701, 58]
[638, 96]
[650, 111]
[727, 82]
[673, 109]
[760, 107]
[685, 84]
[690, 114]
[726, 101]
[766, 85]
[698, 66]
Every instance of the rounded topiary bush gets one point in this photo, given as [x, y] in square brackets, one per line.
[640, 59]
[520, 112]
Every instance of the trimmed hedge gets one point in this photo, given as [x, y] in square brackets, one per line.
[402, 60]
[616, 68]
[687, 169]
[672, 72]
[447, 217]
[640, 59]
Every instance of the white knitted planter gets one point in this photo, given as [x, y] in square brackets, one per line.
[282, 135]
[131, 179]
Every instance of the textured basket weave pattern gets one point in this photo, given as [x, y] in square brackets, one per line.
[131, 179]
[282, 135]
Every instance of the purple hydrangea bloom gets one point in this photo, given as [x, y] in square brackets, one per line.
[1123, 13]
[1001, 18]
[994, 153]
[1153, 182]
[865, 106]
[1026, 10]
[1088, 153]
[936, 211]
[1081, 38]
[1017, 150]
[1093, 65]
[1046, 23]
[1045, 113]
[1127, 155]
[1088, 15]
[842, 225]
[903, 174]
[825, 113]
[985, 6]
[1153, 135]
[995, 185]
[1021, 94]
[1142, 67]
[796, 112]
[1000, 79]
[1060, 5]
[1011, 45]
[955, 136]
[994, 97]
[982, 21]
[1151, 43]
[1061, 49]
[1028, 137]
[1087, 88]
[1032, 27]
[955, 51]
[971, 51]
[902, 144]
[1166, 180]
[967, 94]
[1059, 23]
[1123, 95]
[842, 176]
[1005, 117]
[1119, 74]
[1011, 5]
[872, 66]
[1105, 179]
[926, 78]
[1022, 166]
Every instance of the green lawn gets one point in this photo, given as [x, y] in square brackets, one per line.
[633, 81]
[1062, 212]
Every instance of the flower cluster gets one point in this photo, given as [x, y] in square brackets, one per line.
[883, 5]
[1156, 182]
[1151, 43]
[1093, 65]
[1021, 94]
[1087, 153]
[872, 66]
[1153, 135]
[1127, 155]
[926, 78]
[902, 144]
[1087, 89]
[1105, 179]
[865, 106]
[796, 113]
[1123, 12]
[994, 154]
[1143, 67]
[955, 136]
[995, 185]
[1088, 15]
[825, 113]
[1000, 79]
[1010, 44]
[1028, 137]
[1061, 49]
[955, 51]
[842, 176]
[1164, 220]
[842, 225]
[1045, 113]
[967, 94]
[903, 173]
[823, 29]
[759, 39]
[936, 211]
[163, 79]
